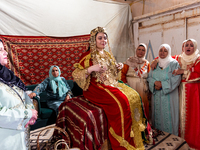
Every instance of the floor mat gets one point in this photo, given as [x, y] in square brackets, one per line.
[167, 141]
[164, 141]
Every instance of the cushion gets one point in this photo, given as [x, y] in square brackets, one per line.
[70, 83]
[46, 113]
[31, 87]
[76, 90]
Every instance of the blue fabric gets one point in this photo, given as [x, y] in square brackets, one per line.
[165, 102]
[46, 86]
[54, 97]
[62, 89]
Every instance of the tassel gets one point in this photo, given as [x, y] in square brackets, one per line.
[151, 140]
[132, 133]
[141, 127]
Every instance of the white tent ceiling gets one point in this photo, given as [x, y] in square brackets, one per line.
[64, 18]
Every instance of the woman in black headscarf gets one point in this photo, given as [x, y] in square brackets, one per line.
[16, 109]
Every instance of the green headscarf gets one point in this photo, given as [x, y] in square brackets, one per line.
[62, 89]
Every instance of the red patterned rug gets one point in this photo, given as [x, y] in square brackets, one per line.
[31, 57]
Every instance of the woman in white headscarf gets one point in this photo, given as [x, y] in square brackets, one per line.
[134, 73]
[155, 61]
[164, 87]
[189, 94]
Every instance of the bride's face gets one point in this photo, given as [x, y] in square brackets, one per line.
[3, 55]
[101, 40]
[189, 48]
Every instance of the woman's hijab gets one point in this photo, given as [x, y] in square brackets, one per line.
[191, 58]
[145, 48]
[163, 63]
[8, 77]
[61, 86]
[133, 61]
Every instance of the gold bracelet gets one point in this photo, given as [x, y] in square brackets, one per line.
[155, 60]
[86, 72]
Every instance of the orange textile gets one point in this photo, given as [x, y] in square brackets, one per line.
[124, 72]
[30, 57]
[132, 82]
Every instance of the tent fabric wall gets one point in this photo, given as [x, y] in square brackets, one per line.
[65, 18]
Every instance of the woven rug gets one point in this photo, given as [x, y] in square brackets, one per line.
[165, 141]
[30, 58]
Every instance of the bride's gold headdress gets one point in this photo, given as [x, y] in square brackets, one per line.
[110, 76]
[93, 34]
[92, 40]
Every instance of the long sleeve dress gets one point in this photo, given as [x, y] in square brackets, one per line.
[121, 104]
[53, 99]
[14, 115]
[165, 102]
[137, 79]
[190, 103]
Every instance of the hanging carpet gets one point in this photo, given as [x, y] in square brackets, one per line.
[30, 57]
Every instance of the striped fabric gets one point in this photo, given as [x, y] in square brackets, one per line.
[85, 123]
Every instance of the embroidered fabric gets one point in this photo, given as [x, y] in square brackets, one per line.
[110, 76]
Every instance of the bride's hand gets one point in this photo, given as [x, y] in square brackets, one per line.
[120, 66]
[97, 68]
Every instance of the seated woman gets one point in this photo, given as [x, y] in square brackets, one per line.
[135, 72]
[56, 87]
[16, 109]
[164, 87]
[97, 74]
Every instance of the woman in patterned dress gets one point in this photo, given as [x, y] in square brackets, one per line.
[190, 93]
[164, 87]
[16, 109]
[135, 72]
